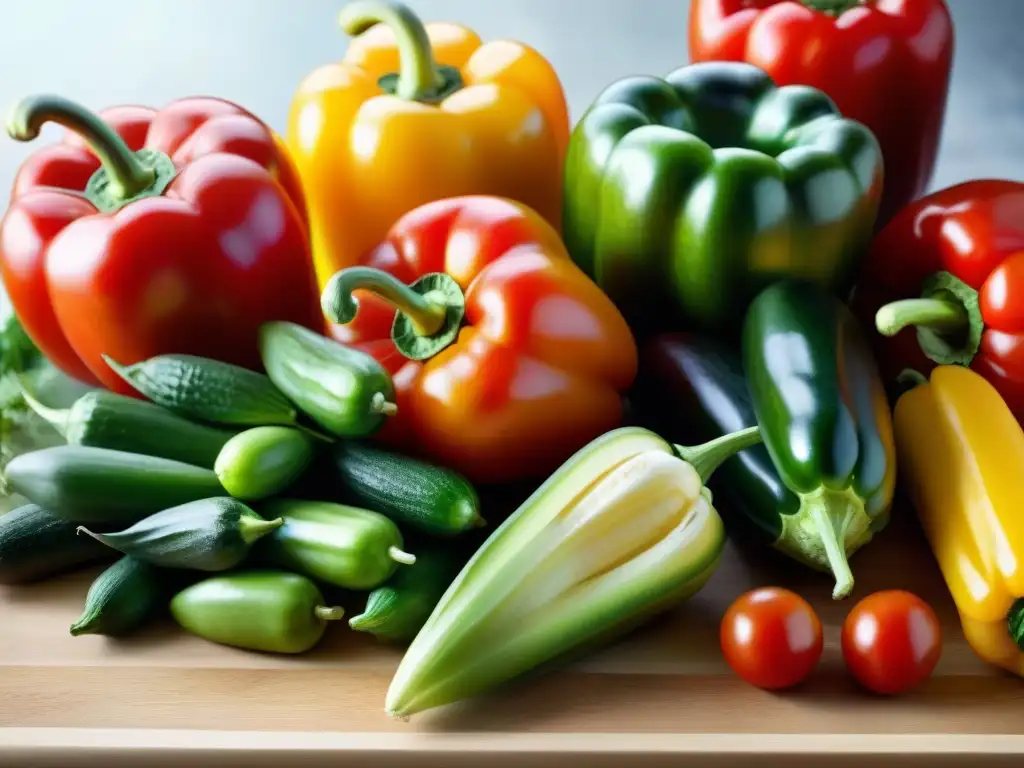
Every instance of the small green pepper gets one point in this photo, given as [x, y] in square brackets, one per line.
[345, 546]
[263, 461]
[345, 391]
[260, 610]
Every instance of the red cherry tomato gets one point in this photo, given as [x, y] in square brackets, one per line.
[891, 641]
[771, 638]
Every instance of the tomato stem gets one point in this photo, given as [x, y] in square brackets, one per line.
[833, 7]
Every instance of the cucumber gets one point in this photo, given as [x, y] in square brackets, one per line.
[345, 391]
[344, 546]
[423, 496]
[102, 419]
[97, 485]
[263, 461]
[398, 609]
[121, 599]
[206, 535]
[208, 390]
[35, 544]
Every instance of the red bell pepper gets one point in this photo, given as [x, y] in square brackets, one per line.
[944, 284]
[506, 357]
[885, 63]
[148, 232]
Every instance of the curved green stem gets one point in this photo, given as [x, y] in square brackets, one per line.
[419, 77]
[1015, 622]
[833, 542]
[706, 458]
[127, 176]
[909, 378]
[329, 613]
[427, 317]
[945, 315]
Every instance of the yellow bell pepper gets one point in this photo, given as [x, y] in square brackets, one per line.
[961, 454]
[417, 113]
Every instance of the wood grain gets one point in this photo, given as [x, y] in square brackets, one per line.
[666, 684]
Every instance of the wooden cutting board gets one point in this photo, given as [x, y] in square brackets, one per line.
[163, 697]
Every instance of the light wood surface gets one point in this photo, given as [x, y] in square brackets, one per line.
[661, 693]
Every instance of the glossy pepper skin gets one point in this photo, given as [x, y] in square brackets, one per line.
[961, 454]
[686, 196]
[944, 284]
[823, 413]
[505, 357]
[692, 387]
[885, 63]
[185, 239]
[416, 113]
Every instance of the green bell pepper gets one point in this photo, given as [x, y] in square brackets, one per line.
[824, 417]
[686, 196]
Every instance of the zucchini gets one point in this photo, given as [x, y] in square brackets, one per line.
[208, 390]
[35, 544]
[205, 535]
[345, 391]
[263, 461]
[102, 419]
[344, 546]
[423, 496]
[97, 485]
[121, 599]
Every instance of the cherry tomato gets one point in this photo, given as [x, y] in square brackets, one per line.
[891, 641]
[771, 638]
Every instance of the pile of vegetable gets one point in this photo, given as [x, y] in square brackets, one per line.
[717, 305]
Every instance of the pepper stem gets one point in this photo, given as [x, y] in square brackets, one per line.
[832, 7]
[706, 458]
[127, 175]
[834, 551]
[401, 557]
[419, 77]
[430, 311]
[328, 613]
[1015, 622]
[379, 403]
[251, 529]
[426, 316]
[939, 314]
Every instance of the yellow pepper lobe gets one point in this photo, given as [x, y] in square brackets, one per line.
[961, 453]
[367, 153]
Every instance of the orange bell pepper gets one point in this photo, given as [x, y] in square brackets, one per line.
[418, 113]
[506, 357]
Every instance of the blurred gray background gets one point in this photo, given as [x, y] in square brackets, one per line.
[255, 52]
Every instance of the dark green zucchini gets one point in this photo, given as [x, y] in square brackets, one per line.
[35, 544]
[208, 390]
[102, 419]
[122, 598]
[423, 496]
[97, 485]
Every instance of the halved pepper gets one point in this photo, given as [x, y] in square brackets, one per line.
[415, 113]
[961, 455]
[824, 417]
[505, 357]
[686, 196]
